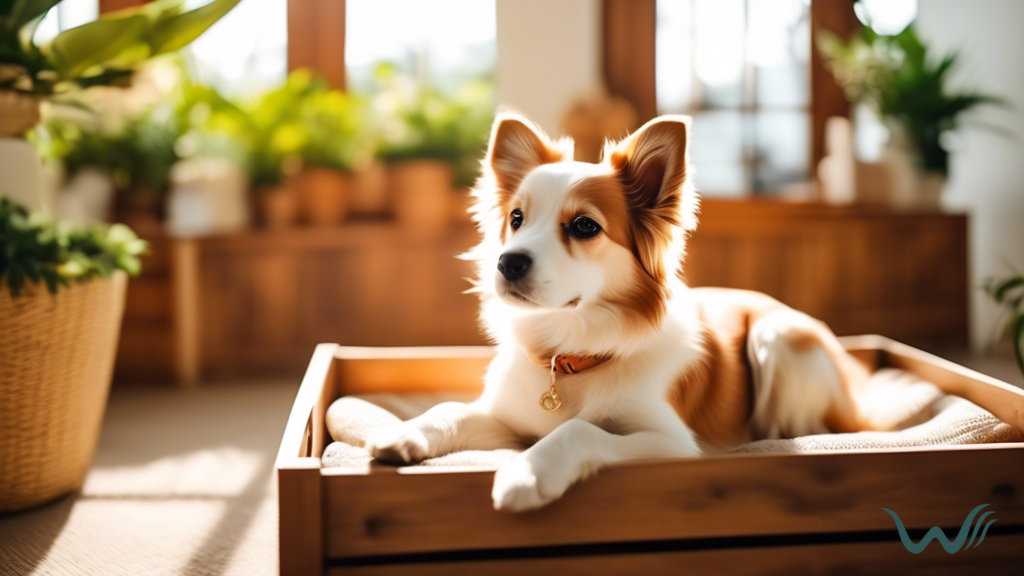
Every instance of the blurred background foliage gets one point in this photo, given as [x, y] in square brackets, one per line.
[300, 123]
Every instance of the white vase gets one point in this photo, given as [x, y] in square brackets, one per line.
[21, 177]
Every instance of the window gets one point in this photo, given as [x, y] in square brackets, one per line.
[741, 69]
[66, 15]
[246, 52]
[441, 43]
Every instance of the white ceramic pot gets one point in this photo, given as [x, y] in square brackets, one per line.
[22, 176]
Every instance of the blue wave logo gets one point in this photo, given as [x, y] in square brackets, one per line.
[936, 533]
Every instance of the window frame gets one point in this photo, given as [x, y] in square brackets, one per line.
[629, 61]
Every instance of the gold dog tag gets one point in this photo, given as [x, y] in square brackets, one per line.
[550, 400]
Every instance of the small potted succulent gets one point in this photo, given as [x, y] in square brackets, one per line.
[61, 300]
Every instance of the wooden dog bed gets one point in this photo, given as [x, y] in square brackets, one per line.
[754, 513]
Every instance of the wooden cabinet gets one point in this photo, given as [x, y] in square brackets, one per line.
[258, 303]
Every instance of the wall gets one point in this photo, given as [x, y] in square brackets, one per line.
[548, 54]
[987, 170]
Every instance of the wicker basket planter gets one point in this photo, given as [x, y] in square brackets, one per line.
[56, 362]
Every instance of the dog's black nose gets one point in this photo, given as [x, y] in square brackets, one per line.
[514, 266]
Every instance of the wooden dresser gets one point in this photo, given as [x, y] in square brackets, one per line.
[257, 303]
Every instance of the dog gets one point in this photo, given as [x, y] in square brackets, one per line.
[603, 353]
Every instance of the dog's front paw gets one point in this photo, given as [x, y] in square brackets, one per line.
[397, 443]
[518, 487]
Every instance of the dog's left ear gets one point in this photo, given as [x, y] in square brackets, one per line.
[517, 147]
[652, 165]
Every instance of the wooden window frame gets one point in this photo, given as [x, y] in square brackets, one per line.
[629, 61]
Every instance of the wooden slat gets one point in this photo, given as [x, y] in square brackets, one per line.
[317, 376]
[299, 517]
[300, 509]
[316, 38]
[1004, 401]
[411, 370]
[997, 555]
[390, 513]
[629, 53]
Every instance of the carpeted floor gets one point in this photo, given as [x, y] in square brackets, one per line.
[182, 484]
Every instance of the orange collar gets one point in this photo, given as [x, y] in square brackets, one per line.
[571, 364]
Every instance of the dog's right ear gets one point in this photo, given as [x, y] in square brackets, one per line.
[517, 147]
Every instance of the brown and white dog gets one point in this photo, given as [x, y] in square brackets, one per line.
[603, 353]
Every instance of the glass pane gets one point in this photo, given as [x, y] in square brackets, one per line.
[443, 43]
[246, 52]
[782, 148]
[717, 153]
[718, 50]
[741, 68]
[674, 55]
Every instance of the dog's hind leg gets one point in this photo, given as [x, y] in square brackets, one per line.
[804, 381]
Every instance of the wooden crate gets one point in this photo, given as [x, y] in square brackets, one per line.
[742, 514]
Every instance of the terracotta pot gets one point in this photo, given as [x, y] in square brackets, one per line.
[368, 191]
[323, 195]
[278, 206]
[423, 195]
[18, 112]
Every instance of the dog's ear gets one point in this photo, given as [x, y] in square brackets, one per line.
[652, 165]
[517, 147]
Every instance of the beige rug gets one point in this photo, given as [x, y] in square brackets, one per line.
[182, 484]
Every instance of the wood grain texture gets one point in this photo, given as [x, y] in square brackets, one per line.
[265, 299]
[392, 513]
[316, 38]
[629, 53]
[269, 298]
[299, 517]
[997, 555]
[385, 511]
[860, 269]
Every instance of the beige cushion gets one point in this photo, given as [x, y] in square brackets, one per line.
[917, 411]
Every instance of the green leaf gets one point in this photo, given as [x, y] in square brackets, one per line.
[75, 51]
[24, 11]
[176, 32]
[1000, 290]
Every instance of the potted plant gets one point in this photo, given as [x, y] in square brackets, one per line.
[275, 139]
[897, 77]
[420, 139]
[57, 344]
[105, 51]
[1008, 293]
[333, 141]
[61, 299]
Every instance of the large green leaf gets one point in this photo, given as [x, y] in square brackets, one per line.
[77, 50]
[176, 32]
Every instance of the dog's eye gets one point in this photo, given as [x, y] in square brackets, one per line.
[517, 219]
[583, 228]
